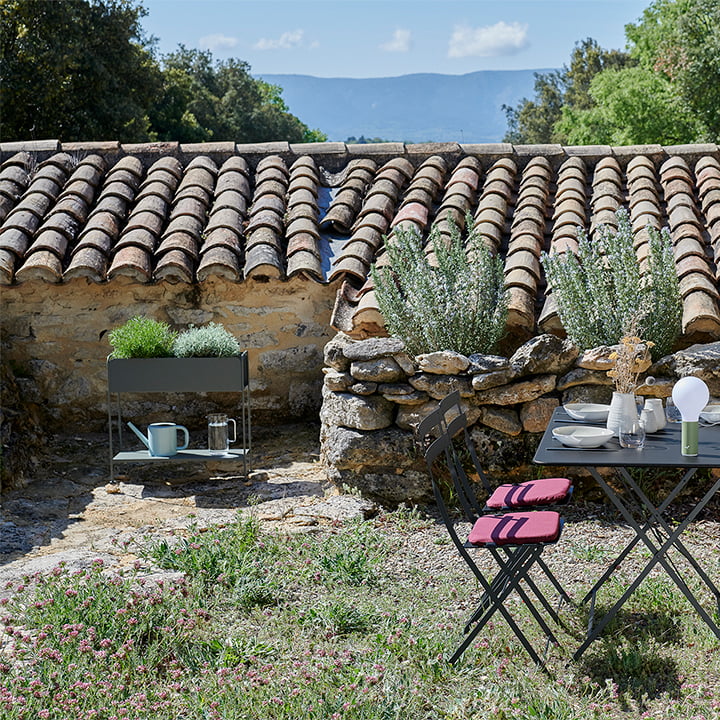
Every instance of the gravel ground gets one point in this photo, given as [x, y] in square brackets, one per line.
[69, 512]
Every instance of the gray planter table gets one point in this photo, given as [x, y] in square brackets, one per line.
[166, 375]
[661, 450]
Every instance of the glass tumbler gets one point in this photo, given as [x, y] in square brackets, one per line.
[632, 433]
[219, 433]
[672, 413]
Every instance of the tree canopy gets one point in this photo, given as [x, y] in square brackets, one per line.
[664, 89]
[84, 70]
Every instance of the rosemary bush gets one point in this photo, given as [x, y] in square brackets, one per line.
[142, 337]
[211, 340]
[600, 291]
[459, 305]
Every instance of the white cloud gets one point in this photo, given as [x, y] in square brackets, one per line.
[218, 42]
[492, 40]
[400, 42]
[287, 41]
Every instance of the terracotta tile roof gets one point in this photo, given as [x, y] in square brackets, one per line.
[186, 213]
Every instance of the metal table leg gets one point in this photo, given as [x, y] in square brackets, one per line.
[658, 557]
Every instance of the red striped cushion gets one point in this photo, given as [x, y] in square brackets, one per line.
[533, 492]
[516, 528]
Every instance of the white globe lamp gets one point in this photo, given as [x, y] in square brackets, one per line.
[690, 395]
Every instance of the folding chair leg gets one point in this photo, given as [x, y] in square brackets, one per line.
[509, 584]
[555, 582]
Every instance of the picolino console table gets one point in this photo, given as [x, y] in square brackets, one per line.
[178, 375]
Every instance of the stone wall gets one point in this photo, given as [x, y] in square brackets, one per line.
[375, 394]
[54, 341]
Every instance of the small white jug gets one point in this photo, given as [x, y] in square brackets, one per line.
[647, 419]
[655, 405]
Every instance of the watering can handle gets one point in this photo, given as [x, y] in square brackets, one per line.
[184, 430]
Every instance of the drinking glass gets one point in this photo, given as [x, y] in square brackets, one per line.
[632, 433]
[671, 411]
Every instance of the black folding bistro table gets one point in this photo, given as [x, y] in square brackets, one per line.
[661, 450]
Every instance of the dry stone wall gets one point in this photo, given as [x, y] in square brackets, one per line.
[375, 394]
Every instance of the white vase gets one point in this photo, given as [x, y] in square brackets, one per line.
[622, 406]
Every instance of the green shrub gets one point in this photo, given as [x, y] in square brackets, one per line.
[142, 337]
[459, 305]
[211, 340]
[601, 292]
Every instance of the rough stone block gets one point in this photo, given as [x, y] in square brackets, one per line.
[544, 354]
[597, 358]
[444, 362]
[502, 419]
[360, 413]
[336, 380]
[587, 394]
[582, 376]
[406, 363]
[363, 387]
[438, 386]
[519, 392]
[485, 381]
[535, 416]
[487, 363]
[382, 369]
[410, 416]
[373, 348]
[412, 398]
[703, 361]
[333, 354]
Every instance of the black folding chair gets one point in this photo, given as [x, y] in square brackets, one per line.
[545, 492]
[515, 540]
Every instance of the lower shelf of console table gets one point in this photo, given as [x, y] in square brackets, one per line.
[182, 456]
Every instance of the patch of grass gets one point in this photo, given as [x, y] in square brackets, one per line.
[349, 557]
[345, 623]
[591, 552]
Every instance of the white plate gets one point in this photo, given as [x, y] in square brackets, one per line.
[710, 413]
[582, 436]
[589, 412]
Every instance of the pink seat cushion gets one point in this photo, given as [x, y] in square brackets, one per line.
[516, 528]
[533, 492]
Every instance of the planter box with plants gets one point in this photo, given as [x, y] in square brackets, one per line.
[149, 357]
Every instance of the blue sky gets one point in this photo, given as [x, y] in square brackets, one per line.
[383, 38]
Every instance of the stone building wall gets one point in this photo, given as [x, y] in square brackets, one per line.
[54, 340]
[375, 394]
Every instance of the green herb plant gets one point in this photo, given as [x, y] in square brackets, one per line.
[458, 304]
[601, 292]
[211, 340]
[142, 337]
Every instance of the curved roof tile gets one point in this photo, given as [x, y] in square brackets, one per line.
[174, 214]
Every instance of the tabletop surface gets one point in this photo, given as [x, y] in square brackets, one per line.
[662, 448]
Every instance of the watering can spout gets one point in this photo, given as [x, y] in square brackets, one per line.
[139, 434]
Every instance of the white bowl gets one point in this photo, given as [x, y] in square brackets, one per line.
[582, 436]
[710, 413]
[590, 412]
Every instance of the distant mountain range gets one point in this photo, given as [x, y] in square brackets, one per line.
[413, 108]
